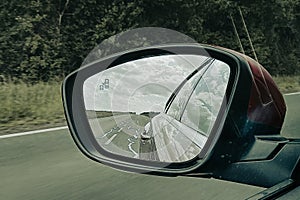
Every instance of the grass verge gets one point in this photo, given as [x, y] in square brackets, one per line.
[27, 107]
[288, 84]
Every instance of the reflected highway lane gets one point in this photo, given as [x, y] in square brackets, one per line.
[120, 133]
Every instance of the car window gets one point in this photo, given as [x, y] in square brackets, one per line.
[178, 104]
[205, 102]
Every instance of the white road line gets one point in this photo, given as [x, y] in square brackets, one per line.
[65, 127]
[294, 93]
[136, 155]
[111, 139]
[105, 134]
[32, 132]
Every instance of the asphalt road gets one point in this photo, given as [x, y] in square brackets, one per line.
[49, 166]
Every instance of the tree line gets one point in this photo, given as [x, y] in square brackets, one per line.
[41, 40]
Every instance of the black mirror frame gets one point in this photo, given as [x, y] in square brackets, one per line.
[72, 89]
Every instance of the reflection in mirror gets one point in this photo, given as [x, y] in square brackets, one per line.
[159, 108]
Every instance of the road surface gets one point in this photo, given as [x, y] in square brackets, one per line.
[49, 166]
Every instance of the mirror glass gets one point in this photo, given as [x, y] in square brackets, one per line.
[159, 108]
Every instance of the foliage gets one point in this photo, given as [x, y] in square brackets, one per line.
[288, 84]
[24, 105]
[43, 40]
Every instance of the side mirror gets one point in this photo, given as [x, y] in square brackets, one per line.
[173, 110]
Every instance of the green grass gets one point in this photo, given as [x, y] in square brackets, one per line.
[25, 106]
[288, 84]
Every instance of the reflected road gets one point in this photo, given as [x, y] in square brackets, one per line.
[120, 133]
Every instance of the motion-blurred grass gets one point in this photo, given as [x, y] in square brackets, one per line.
[24, 106]
[288, 84]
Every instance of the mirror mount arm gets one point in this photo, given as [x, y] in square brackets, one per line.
[275, 191]
[296, 172]
[285, 163]
[199, 175]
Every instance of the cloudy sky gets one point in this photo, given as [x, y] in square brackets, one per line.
[139, 86]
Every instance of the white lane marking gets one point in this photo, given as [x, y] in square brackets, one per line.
[119, 130]
[32, 132]
[103, 136]
[111, 139]
[294, 93]
[65, 127]
[136, 155]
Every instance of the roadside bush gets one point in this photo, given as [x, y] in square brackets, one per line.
[23, 105]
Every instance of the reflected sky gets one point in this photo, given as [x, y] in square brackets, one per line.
[139, 86]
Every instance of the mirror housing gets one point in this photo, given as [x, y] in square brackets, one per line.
[245, 142]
